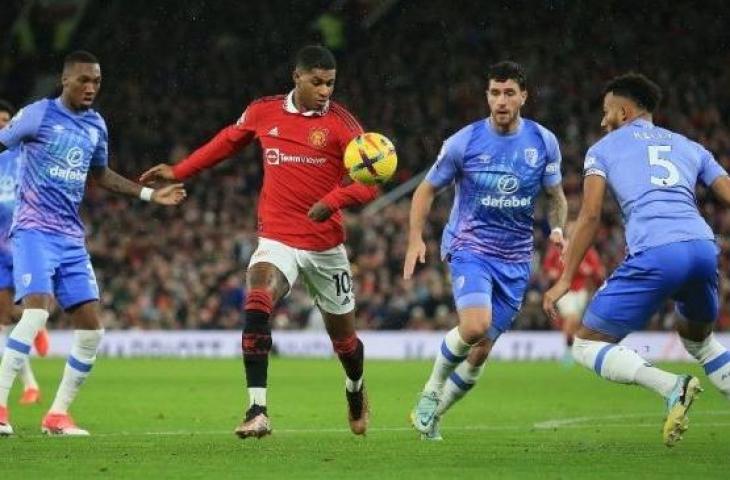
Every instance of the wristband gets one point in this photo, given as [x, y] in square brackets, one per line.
[558, 230]
[146, 193]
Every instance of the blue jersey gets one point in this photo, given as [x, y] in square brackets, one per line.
[57, 147]
[9, 167]
[497, 179]
[652, 172]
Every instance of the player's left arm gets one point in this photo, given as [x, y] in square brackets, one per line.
[557, 214]
[344, 196]
[589, 219]
[341, 197]
[110, 180]
[552, 183]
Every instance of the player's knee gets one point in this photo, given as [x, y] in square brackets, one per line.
[87, 341]
[347, 346]
[473, 332]
[259, 299]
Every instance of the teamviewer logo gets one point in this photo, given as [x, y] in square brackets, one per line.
[272, 156]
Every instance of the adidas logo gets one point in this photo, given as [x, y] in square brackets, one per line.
[274, 132]
[346, 301]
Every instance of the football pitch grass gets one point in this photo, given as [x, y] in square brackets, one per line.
[165, 418]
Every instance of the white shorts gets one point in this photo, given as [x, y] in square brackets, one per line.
[326, 274]
[573, 303]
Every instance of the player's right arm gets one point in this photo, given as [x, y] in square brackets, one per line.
[442, 173]
[227, 142]
[23, 126]
[584, 233]
[714, 176]
[420, 206]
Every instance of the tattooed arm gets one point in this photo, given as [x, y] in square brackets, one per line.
[112, 181]
[557, 206]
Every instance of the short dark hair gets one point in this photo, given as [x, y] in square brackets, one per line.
[79, 56]
[636, 87]
[315, 56]
[6, 106]
[508, 70]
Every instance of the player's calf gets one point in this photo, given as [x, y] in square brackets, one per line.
[351, 352]
[714, 358]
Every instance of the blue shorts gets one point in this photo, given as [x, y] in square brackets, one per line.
[683, 271]
[481, 281]
[6, 271]
[53, 264]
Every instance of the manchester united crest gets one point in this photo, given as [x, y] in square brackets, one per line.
[318, 137]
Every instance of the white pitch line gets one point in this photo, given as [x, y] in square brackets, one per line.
[574, 422]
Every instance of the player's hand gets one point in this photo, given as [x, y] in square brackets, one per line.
[170, 195]
[319, 212]
[551, 297]
[557, 238]
[416, 252]
[157, 173]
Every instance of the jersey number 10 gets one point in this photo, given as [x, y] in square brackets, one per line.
[655, 159]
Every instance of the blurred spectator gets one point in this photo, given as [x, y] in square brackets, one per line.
[175, 74]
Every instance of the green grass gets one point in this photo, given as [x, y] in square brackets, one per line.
[174, 419]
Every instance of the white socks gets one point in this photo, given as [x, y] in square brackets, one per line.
[257, 395]
[622, 365]
[17, 348]
[714, 358]
[353, 385]
[78, 366]
[453, 352]
[459, 383]
[26, 373]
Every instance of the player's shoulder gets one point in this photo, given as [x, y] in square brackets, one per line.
[36, 108]
[343, 114]
[268, 101]
[545, 134]
[465, 134]
[607, 142]
[96, 118]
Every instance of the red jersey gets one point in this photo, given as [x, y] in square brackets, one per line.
[302, 158]
[590, 269]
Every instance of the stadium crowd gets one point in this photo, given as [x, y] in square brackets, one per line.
[172, 78]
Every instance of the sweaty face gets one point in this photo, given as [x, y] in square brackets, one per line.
[614, 112]
[81, 84]
[4, 118]
[313, 88]
[505, 100]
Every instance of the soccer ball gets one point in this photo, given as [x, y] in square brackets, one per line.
[370, 158]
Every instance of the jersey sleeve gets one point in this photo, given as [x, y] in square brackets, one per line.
[351, 126]
[449, 161]
[248, 120]
[710, 170]
[552, 175]
[100, 157]
[595, 163]
[227, 142]
[24, 125]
